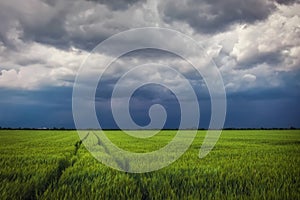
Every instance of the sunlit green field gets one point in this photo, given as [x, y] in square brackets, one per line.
[243, 165]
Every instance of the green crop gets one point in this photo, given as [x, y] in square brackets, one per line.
[254, 164]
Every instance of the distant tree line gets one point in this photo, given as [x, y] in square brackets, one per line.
[26, 128]
[262, 128]
[63, 128]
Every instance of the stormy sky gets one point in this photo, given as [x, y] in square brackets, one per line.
[255, 44]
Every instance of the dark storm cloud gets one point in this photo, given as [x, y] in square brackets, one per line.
[267, 113]
[139, 105]
[217, 15]
[287, 2]
[151, 94]
[117, 4]
[62, 24]
[51, 32]
[50, 107]
[37, 21]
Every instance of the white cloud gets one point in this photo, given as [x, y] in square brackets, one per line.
[249, 77]
[278, 36]
[34, 66]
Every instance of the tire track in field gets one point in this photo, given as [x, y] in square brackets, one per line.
[51, 182]
[122, 164]
[99, 142]
[78, 143]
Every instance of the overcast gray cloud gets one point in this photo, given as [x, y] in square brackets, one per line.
[67, 23]
[116, 4]
[217, 15]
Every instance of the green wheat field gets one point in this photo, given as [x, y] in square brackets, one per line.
[244, 164]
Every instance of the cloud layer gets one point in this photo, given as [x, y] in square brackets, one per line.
[255, 44]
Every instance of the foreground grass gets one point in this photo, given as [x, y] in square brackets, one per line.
[243, 165]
